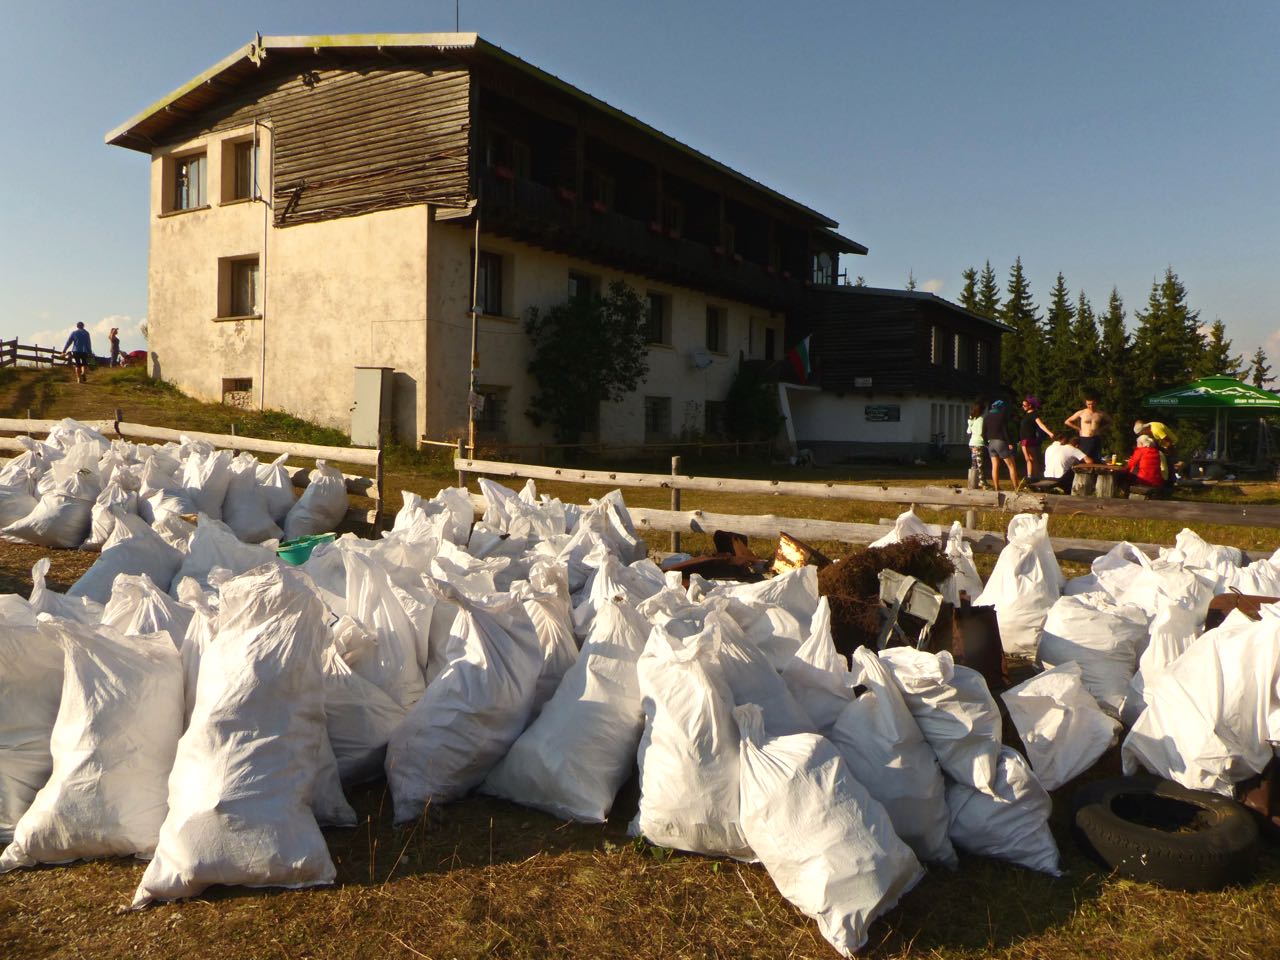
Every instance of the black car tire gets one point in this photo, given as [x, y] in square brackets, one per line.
[1159, 832]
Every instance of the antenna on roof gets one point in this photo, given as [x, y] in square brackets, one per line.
[457, 16]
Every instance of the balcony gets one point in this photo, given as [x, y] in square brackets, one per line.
[557, 220]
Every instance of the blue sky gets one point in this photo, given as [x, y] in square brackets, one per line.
[1106, 140]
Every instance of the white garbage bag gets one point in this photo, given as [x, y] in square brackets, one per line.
[1103, 637]
[1024, 584]
[469, 717]
[828, 846]
[1212, 713]
[965, 579]
[954, 711]
[777, 614]
[137, 605]
[452, 506]
[215, 546]
[818, 676]
[242, 784]
[30, 691]
[371, 601]
[886, 752]
[113, 744]
[277, 487]
[689, 769]
[162, 494]
[906, 526]
[322, 506]
[102, 519]
[1012, 823]
[611, 578]
[62, 518]
[751, 678]
[245, 508]
[578, 753]
[43, 600]
[1177, 623]
[133, 549]
[16, 501]
[1060, 723]
[205, 478]
[360, 720]
[545, 599]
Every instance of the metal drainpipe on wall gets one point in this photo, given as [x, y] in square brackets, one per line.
[262, 265]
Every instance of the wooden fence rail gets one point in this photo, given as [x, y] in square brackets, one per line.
[12, 353]
[677, 521]
[540, 449]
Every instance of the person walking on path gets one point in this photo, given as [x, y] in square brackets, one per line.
[1030, 433]
[114, 337]
[81, 350]
[1090, 420]
[976, 444]
[995, 428]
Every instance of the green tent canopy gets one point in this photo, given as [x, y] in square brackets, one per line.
[1219, 396]
[1214, 393]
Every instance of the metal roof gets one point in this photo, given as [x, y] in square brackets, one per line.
[142, 131]
[918, 295]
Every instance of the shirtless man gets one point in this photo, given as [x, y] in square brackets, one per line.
[1090, 421]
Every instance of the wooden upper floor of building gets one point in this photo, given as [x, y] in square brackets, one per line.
[360, 123]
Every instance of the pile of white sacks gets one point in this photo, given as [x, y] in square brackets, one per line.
[77, 489]
[209, 716]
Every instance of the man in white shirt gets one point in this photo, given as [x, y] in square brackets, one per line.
[1060, 456]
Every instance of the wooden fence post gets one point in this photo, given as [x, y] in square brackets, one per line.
[462, 475]
[675, 503]
[378, 494]
[971, 520]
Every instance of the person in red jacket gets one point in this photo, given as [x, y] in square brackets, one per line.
[1144, 465]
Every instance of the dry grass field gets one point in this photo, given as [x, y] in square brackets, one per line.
[483, 878]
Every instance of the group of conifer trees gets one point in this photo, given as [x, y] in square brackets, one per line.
[1073, 348]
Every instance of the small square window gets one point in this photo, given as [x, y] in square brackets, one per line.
[189, 182]
[657, 419]
[581, 285]
[717, 329]
[659, 319]
[237, 391]
[489, 285]
[491, 419]
[239, 287]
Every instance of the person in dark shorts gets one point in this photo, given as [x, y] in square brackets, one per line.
[1030, 432]
[114, 338]
[995, 429]
[1090, 420]
[80, 349]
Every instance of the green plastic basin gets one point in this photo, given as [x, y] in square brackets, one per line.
[298, 550]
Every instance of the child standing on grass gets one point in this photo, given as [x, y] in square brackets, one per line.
[976, 444]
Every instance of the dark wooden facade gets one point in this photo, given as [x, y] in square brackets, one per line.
[878, 341]
[371, 123]
[352, 136]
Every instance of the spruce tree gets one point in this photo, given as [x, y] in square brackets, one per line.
[1168, 344]
[911, 280]
[1115, 373]
[1062, 365]
[969, 295]
[1084, 333]
[988, 293]
[1260, 371]
[1217, 359]
[1022, 348]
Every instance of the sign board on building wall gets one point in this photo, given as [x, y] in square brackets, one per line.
[862, 381]
[883, 413]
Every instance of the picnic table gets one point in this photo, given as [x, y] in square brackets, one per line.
[1104, 480]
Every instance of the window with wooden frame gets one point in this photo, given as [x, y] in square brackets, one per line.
[239, 287]
[489, 288]
[657, 419]
[244, 156]
[189, 186]
[717, 329]
[659, 319]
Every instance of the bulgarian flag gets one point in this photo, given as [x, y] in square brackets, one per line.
[798, 356]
